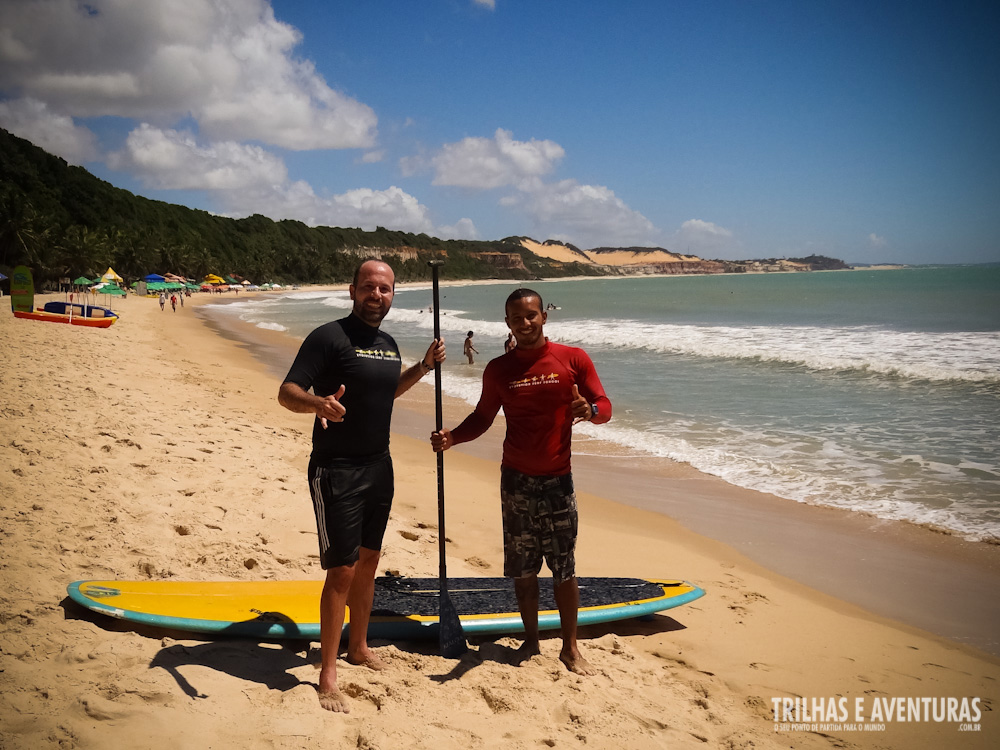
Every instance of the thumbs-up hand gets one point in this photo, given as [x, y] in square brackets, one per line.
[579, 407]
[331, 410]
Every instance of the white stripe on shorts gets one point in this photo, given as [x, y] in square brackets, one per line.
[319, 507]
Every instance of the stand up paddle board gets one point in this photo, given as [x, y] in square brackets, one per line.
[404, 608]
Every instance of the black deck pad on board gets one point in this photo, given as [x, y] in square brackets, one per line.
[399, 595]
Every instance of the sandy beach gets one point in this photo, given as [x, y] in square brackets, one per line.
[156, 449]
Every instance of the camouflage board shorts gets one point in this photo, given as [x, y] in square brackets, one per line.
[539, 521]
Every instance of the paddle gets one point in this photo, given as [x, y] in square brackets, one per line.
[452, 639]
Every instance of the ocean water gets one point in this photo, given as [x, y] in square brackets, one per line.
[876, 391]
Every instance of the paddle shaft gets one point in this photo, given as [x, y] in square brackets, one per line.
[452, 639]
[439, 422]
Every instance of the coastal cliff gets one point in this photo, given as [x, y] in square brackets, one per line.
[657, 260]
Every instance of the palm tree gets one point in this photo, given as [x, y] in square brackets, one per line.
[82, 250]
[21, 235]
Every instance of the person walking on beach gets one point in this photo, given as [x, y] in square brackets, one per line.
[173, 302]
[510, 343]
[355, 372]
[163, 300]
[544, 388]
[469, 349]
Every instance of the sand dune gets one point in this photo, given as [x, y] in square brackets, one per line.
[618, 257]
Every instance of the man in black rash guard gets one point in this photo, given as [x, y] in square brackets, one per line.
[355, 372]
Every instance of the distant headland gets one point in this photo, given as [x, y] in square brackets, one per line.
[657, 260]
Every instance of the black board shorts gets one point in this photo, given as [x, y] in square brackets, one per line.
[352, 505]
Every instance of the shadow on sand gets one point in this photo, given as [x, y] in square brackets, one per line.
[268, 662]
[485, 649]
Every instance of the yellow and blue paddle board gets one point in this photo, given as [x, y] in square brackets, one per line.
[404, 608]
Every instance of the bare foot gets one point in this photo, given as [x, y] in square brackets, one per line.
[576, 664]
[334, 700]
[526, 651]
[368, 659]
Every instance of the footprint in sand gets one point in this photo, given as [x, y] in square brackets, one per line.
[497, 703]
[760, 707]
[359, 692]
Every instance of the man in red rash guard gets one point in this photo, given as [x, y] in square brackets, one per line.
[544, 389]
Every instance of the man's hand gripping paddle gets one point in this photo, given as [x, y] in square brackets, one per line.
[452, 639]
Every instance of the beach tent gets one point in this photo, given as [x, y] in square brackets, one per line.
[213, 279]
[110, 275]
[112, 290]
[154, 277]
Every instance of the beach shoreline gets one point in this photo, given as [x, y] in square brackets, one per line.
[156, 449]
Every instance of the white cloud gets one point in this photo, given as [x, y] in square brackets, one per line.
[412, 165]
[58, 134]
[372, 157]
[485, 163]
[702, 238]
[226, 63]
[586, 215]
[875, 241]
[463, 229]
[393, 208]
[174, 160]
[389, 208]
[491, 4]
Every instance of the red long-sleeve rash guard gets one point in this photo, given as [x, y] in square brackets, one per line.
[535, 388]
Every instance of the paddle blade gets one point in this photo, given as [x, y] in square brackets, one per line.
[453, 642]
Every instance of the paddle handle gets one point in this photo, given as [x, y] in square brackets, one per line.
[438, 416]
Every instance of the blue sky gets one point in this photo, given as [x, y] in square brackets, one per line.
[862, 130]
